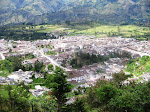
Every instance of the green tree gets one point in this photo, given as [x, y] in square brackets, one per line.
[38, 66]
[18, 97]
[50, 67]
[59, 85]
[106, 92]
[120, 77]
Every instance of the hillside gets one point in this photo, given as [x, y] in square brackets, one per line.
[49, 11]
[139, 66]
[16, 11]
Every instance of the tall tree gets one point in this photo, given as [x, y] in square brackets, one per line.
[58, 83]
[18, 97]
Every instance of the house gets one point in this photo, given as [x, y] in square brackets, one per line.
[39, 90]
[75, 77]
[20, 76]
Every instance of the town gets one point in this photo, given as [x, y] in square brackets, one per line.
[59, 52]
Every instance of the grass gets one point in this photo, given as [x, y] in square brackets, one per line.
[138, 70]
[99, 31]
[51, 53]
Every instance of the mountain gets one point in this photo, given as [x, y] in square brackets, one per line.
[16, 11]
[49, 11]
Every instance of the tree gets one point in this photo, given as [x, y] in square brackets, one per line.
[50, 67]
[118, 30]
[18, 97]
[38, 66]
[41, 27]
[106, 92]
[124, 103]
[68, 22]
[48, 104]
[120, 77]
[58, 83]
[34, 104]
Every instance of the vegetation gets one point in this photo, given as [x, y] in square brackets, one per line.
[50, 67]
[18, 99]
[139, 66]
[80, 59]
[86, 59]
[106, 11]
[58, 83]
[14, 63]
[11, 64]
[51, 53]
[33, 32]
[110, 96]
[38, 66]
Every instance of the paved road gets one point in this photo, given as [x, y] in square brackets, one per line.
[53, 62]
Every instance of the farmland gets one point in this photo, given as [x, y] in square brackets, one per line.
[33, 32]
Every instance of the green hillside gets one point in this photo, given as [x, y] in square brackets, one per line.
[18, 11]
[106, 11]
[139, 66]
[49, 11]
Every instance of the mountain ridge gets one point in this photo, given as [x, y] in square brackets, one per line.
[49, 11]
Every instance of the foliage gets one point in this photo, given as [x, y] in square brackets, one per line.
[139, 66]
[25, 32]
[120, 77]
[105, 96]
[58, 83]
[86, 59]
[38, 66]
[11, 64]
[51, 53]
[106, 93]
[48, 11]
[14, 63]
[50, 67]
[20, 100]
[43, 103]
[17, 98]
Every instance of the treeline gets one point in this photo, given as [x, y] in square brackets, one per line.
[81, 59]
[118, 55]
[84, 25]
[21, 33]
